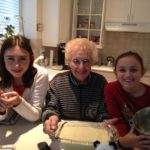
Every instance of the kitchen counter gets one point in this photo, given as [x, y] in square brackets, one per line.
[23, 135]
[106, 71]
[58, 69]
[52, 71]
[111, 69]
[147, 73]
[102, 68]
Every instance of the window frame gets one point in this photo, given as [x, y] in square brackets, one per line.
[15, 19]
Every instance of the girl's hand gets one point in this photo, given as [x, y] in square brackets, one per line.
[2, 106]
[10, 99]
[132, 140]
[110, 126]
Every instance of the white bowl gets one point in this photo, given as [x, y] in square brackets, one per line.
[141, 121]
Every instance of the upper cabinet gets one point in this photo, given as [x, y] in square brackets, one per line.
[133, 13]
[140, 9]
[57, 16]
[117, 10]
[88, 19]
[31, 13]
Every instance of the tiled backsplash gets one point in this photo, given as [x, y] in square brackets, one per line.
[116, 43]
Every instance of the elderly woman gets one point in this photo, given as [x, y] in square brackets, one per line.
[77, 94]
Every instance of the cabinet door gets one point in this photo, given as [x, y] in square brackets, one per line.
[140, 11]
[117, 10]
[56, 22]
[88, 19]
[50, 22]
[131, 11]
[65, 19]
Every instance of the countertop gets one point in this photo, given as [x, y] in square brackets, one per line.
[57, 69]
[102, 68]
[52, 71]
[111, 69]
[23, 135]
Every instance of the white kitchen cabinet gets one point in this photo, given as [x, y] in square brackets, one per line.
[127, 11]
[31, 13]
[88, 17]
[57, 16]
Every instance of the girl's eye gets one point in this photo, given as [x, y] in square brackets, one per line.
[23, 59]
[10, 59]
[122, 70]
[134, 70]
[20, 60]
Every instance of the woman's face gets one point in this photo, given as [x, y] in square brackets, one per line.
[17, 61]
[129, 72]
[80, 65]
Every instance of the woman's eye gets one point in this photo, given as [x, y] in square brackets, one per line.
[76, 61]
[86, 61]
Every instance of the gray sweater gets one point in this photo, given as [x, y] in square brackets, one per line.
[72, 101]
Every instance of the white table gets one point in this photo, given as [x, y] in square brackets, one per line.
[23, 135]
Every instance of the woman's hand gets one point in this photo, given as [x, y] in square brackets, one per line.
[10, 99]
[51, 125]
[132, 140]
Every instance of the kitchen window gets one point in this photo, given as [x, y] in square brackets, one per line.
[10, 15]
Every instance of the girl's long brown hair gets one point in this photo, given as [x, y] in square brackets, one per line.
[6, 77]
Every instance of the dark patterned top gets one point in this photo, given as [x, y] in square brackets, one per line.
[70, 100]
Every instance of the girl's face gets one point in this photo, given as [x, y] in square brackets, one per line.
[17, 61]
[128, 72]
[80, 65]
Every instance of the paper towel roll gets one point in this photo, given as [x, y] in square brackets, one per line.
[51, 58]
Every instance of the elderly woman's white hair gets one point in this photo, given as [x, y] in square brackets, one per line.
[78, 44]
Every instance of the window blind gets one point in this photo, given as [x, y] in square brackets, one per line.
[9, 12]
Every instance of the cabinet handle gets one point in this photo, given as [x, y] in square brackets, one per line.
[128, 17]
[129, 24]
